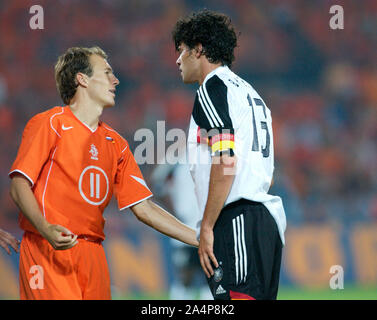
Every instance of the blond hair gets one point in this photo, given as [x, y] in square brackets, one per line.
[73, 61]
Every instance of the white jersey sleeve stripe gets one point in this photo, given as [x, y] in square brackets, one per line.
[205, 110]
[211, 105]
[210, 111]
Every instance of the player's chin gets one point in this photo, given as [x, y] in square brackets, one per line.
[187, 80]
[110, 104]
[188, 77]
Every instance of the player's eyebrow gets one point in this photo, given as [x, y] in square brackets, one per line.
[109, 69]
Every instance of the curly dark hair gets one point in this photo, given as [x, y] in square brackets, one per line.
[212, 30]
[74, 60]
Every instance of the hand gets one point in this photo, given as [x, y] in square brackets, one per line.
[59, 237]
[206, 255]
[7, 239]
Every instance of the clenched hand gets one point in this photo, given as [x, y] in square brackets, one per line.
[59, 237]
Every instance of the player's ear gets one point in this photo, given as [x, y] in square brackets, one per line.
[82, 79]
[198, 50]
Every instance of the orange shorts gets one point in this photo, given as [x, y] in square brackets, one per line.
[79, 273]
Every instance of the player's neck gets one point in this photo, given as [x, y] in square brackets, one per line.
[206, 68]
[87, 113]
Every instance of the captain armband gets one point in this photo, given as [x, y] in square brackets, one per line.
[222, 143]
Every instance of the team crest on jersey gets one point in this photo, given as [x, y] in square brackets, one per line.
[94, 152]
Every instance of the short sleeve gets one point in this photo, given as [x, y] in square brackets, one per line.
[212, 114]
[130, 187]
[38, 142]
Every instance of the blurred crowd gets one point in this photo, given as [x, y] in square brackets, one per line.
[320, 84]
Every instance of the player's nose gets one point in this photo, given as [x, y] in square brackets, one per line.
[116, 81]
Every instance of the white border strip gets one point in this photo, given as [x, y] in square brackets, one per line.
[48, 175]
[243, 246]
[141, 181]
[124, 149]
[55, 114]
[110, 129]
[24, 174]
[92, 130]
[235, 248]
[239, 248]
[136, 202]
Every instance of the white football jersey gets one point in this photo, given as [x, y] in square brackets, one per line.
[230, 116]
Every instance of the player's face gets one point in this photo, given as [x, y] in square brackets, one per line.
[188, 64]
[102, 84]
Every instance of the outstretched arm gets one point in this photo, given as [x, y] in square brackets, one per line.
[159, 219]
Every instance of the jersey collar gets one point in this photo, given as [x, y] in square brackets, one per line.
[213, 72]
[82, 123]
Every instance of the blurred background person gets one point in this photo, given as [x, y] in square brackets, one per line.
[173, 182]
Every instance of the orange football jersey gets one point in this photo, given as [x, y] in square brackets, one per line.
[74, 170]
